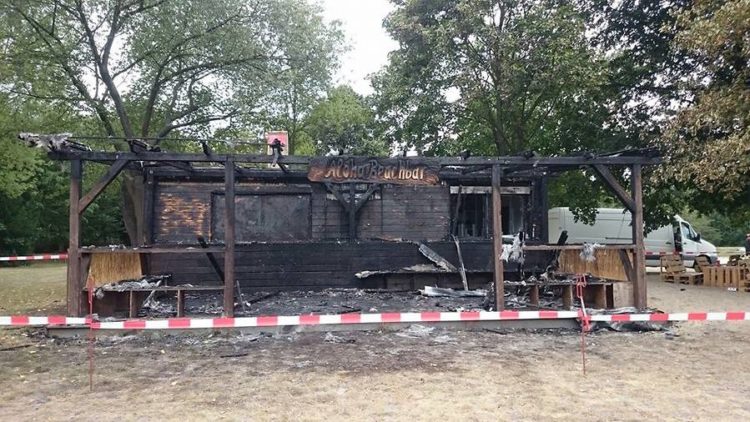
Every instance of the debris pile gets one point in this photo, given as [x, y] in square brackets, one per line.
[447, 292]
[588, 253]
[514, 251]
[146, 282]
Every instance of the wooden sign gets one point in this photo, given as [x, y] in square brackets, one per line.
[401, 171]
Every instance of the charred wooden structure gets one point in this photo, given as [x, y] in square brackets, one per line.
[302, 223]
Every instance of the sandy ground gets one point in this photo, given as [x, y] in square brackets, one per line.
[698, 371]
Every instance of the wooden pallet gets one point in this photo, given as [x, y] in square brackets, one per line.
[673, 271]
[726, 277]
[702, 263]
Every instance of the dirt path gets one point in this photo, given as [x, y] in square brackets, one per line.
[699, 374]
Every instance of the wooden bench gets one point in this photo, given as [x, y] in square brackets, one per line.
[596, 293]
[673, 270]
[136, 296]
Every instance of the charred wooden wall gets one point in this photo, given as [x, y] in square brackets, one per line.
[318, 264]
[183, 211]
[402, 215]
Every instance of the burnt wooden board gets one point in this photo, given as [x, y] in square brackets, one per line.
[314, 265]
[264, 217]
[402, 171]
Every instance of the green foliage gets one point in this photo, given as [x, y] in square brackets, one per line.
[147, 69]
[719, 229]
[708, 142]
[310, 48]
[343, 121]
[503, 77]
[34, 190]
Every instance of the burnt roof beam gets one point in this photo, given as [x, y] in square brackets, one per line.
[520, 162]
[101, 184]
[614, 186]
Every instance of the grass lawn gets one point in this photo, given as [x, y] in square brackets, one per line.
[729, 250]
[33, 289]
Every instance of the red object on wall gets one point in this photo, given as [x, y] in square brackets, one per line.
[281, 135]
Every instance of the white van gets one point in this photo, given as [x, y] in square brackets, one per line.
[612, 226]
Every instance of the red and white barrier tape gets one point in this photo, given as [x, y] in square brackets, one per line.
[355, 319]
[43, 257]
[52, 320]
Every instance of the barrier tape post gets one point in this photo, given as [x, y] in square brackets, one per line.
[91, 336]
[583, 316]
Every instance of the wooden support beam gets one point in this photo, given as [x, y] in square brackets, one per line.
[454, 222]
[149, 196]
[101, 184]
[534, 295]
[365, 197]
[186, 167]
[497, 237]
[229, 239]
[611, 182]
[639, 254]
[339, 197]
[626, 264]
[541, 195]
[352, 206]
[180, 303]
[74, 287]
[567, 297]
[600, 296]
[134, 305]
[211, 258]
[506, 161]
[352, 213]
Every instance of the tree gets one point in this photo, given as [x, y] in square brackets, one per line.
[502, 77]
[707, 144]
[643, 63]
[34, 191]
[499, 76]
[343, 121]
[148, 68]
[312, 49]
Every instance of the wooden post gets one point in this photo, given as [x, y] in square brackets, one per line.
[497, 237]
[454, 222]
[74, 288]
[567, 297]
[102, 184]
[352, 213]
[147, 234]
[229, 226]
[639, 254]
[534, 295]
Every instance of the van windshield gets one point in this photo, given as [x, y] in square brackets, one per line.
[688, 232]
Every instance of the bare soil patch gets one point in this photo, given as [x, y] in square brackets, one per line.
[697, 372]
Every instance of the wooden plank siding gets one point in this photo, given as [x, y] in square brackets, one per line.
[315, 265]
[182, 211]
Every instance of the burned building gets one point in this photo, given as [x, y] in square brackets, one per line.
[314, 230]
[308, 223]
